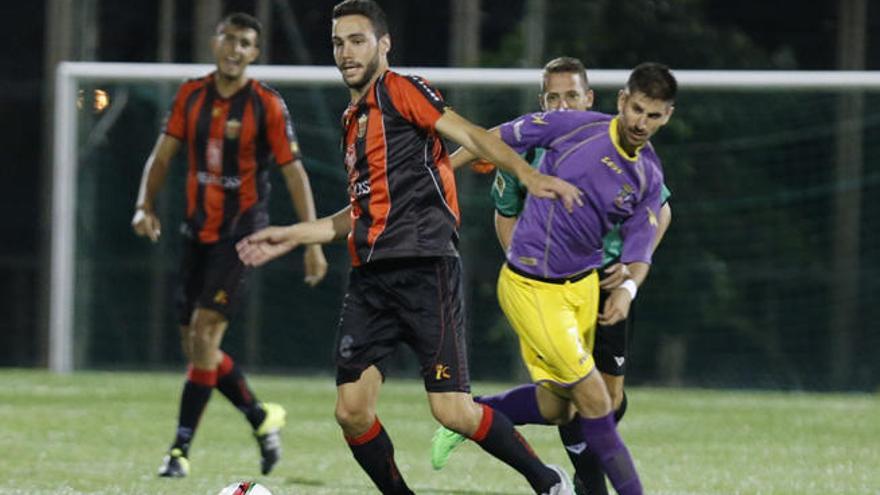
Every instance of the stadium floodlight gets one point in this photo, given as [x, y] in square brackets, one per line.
[69, 75]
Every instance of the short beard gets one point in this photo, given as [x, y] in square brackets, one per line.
[369, 72]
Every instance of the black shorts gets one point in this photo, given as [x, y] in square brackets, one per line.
[212, 277]
[609, 349]
[417, 301]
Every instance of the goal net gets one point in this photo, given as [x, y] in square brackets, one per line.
[767, 277]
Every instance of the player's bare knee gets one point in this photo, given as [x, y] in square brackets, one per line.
[353, 420]
[591, 397]
[456, 413]
[616, 398]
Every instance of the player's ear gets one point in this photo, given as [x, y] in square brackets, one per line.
[668, 115]
[385, 44]
[590, 96]
[621, 100]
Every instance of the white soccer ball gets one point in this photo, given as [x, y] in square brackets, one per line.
[245, 488]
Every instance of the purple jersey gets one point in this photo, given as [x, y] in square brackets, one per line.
[582, 148]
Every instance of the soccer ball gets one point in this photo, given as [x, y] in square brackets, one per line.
[245, 488]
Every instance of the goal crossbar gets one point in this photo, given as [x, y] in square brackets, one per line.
[70, 74]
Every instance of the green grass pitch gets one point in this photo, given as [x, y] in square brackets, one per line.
[105, 433]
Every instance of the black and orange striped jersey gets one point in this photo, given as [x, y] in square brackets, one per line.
[231, 144]
[400, 182]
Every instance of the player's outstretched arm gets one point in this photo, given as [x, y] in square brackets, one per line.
[490, 147]
[272, 242]
[145, 222]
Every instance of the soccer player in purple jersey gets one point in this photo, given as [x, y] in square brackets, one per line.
[548, 288]
[402, 229]
[564, 86]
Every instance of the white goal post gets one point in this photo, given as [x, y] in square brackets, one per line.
[70, 74]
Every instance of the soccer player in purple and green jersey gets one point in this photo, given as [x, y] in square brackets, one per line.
[548, 288]
[582, 147]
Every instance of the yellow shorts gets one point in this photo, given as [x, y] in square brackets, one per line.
[555, 322]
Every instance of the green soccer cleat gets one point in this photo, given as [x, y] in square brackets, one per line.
[442, 445]
[174, 465]
[268, 436]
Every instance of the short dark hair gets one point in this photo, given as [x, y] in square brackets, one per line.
[241, 20]
[565, 65]
[653, 80]
[366, 8]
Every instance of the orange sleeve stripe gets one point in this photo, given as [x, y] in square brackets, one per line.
[377, 160]
[411, 102]
[277, 122]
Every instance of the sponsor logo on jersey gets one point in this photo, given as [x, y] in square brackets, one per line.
[360, 189]
[610, 164]
[224, 181]
[233, 129]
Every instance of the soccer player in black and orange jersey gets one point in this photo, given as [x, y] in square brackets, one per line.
[402, 227]
[235, 131]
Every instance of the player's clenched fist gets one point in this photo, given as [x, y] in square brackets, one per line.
[146, 224]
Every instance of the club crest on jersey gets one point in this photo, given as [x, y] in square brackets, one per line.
[362, 126]
[625, 195]
[233, 129]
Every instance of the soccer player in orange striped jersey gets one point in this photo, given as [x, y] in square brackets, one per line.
[402, 228]
[235, 131]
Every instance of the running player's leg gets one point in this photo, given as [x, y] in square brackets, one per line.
[199, 383]
[557, 321]
[366, 436]
[368, 332]
[225, 289]
[437, 335]
[610, 353]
